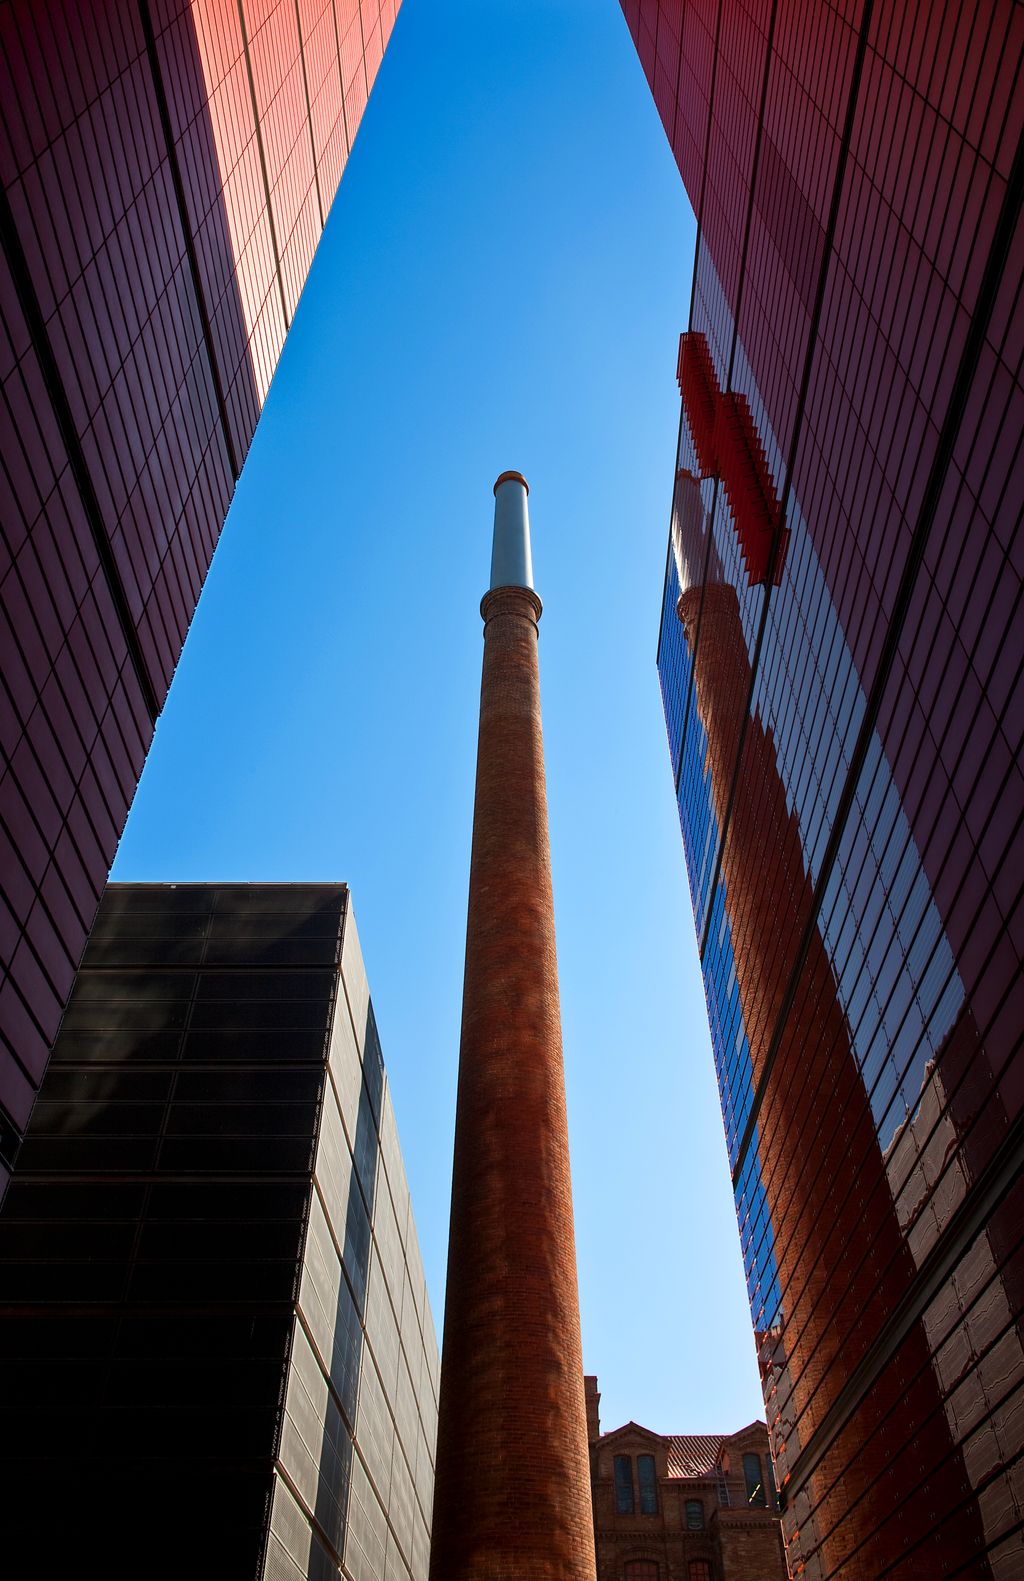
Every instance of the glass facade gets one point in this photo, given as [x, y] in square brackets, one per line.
[215, 1332]
[840, 666]
[167, 167]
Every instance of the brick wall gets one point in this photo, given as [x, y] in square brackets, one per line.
[735, 1541]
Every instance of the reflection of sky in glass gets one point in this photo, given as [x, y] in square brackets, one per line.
[688, 745]
[671, 659]
[894, 968]
[728, 1038]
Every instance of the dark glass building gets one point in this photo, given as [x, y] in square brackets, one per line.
[217, 1349]
[840, 659]
[167, 169]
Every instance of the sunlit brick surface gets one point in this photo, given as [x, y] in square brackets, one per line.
[512, 1496]
[845, 728]
[698, 1507]
[167, 168]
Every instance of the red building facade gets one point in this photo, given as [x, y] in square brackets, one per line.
[168, 166]
[683, 1507]
[840, 665]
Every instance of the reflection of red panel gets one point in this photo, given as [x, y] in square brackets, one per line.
[700, 391]
[744, 471]
[728, 446]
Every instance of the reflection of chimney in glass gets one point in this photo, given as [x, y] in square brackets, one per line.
[512, 1492]
[850, 685]
[810, 1087]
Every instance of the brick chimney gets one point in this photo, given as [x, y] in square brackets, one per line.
[512, 1490]
[592, 1395]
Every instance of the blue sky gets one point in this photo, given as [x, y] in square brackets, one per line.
[501, 284]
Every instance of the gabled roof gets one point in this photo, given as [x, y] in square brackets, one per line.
[689, 1454]
[756, 1426]
[631, 1427]
[694, 1454]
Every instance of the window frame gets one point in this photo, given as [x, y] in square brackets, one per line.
[620, 1484]
[651, 1490]
[757, 1488]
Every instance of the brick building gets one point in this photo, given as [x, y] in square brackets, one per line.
[683, 1507]
[166, 170]
[839, 658]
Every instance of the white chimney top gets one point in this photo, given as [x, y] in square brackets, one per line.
[511, 562]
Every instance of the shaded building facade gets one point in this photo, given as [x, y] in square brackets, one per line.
[167, 169]
[217, 1347]
[683, 1507]
[840, 665]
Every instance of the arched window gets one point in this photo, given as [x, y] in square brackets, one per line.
[647, 1478]
[642, 1570]
[694, 1515]
[773, 1492]
[623, 1485]
[755, 1484]
[700, 1570]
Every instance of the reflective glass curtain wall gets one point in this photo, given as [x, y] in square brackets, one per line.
[840, 666]
[168, 166]
[216, 1342]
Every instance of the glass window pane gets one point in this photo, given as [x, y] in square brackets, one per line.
[648, 1484]
[623, 1485]
[752, 1477]
[769, 1471]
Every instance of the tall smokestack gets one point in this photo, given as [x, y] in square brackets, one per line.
[512, 1489]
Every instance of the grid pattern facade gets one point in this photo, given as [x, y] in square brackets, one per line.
[215, 1329]
[167, 166]
[845, 728]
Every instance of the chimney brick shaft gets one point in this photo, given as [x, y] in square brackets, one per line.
[512, 1491]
